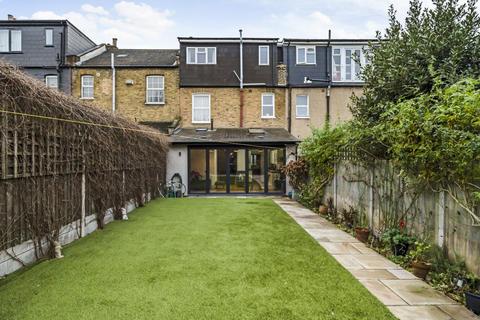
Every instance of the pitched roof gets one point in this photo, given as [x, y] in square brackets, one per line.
[134, 58]
[232, 135]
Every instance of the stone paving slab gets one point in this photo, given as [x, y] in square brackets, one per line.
[417, 292]
[407, 297]
[419, 313]
[373, 274]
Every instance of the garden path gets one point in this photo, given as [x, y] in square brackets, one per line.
[407, 297]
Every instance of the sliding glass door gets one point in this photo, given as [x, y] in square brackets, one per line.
[218, 170]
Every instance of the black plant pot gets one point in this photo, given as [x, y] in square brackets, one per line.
[400, 249]
[473, 302]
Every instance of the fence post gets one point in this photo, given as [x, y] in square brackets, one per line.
[83, 205]
[371, 196]
[441, 220]
[335, 184]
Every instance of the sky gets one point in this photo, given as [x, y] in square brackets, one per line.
[157, 24]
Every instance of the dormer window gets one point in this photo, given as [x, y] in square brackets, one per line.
[306, 55]
[49, 37]
[10, 40]
[263, 55]
[346, 64]
[201, 55]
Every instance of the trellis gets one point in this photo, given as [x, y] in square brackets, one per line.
[61, 159]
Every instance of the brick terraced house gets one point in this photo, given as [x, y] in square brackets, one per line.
[322, 76]
[140, 84]
[233, 136]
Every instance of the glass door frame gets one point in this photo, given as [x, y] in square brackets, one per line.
[228, 149]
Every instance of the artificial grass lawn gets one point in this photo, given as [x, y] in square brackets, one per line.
[195, 258]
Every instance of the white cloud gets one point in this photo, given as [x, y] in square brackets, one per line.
[88, 8]
[136, 25]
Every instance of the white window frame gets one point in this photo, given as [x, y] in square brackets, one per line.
[355, 77]
[214, 61]
[47, 44]
[9, 40]
[209, 107]
[305, 55]
[307, 106]
[260, 56]
[272, 105]
[51, 76]
[147, 89]
[84, 86]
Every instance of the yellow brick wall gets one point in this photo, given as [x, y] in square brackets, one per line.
[130, 99]
[225, 107]
[339, 111]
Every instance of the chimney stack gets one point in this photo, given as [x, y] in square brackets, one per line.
[114, 42]
[11, 17]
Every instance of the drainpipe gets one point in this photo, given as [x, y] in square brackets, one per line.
[113, 82]
[241, 79]
[329, 79]
[289, 112]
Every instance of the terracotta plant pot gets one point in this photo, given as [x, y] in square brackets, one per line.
[323, 210]
[362, 234]
[473, 302]
[421, 269]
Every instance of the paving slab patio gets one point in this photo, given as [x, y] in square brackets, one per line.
[407, 297]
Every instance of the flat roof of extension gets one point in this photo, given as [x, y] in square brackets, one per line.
[258, 136]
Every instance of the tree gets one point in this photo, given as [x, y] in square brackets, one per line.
[435, 45]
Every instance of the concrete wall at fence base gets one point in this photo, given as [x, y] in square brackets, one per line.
[379, 194]
[25, 251]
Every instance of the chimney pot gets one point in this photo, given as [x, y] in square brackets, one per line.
[11, 17]
[114, 42]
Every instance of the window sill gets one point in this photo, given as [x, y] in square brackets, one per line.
[200, 122]
[49, 46]
[11, 52]
[264, 65]
[154, 103]
[306, 64]
[268, 117]
[82, 98]
[304, 118]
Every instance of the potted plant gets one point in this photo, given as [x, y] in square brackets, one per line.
[398, 240]
[418, 257]
[473, 302]
[362, 233]
[323, 210]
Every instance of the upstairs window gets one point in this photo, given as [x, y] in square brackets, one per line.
[306, 55]
[263, 55]
[49, 37]
[87, 87]
[201, 108]
[346, 64]
[302, 110]
[10, 40]
[201, 55]
[268, 105]
[51, 81]
[155, 90]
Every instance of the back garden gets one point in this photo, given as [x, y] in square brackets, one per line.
[204, 259]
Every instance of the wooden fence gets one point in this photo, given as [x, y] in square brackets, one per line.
[379, 194]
